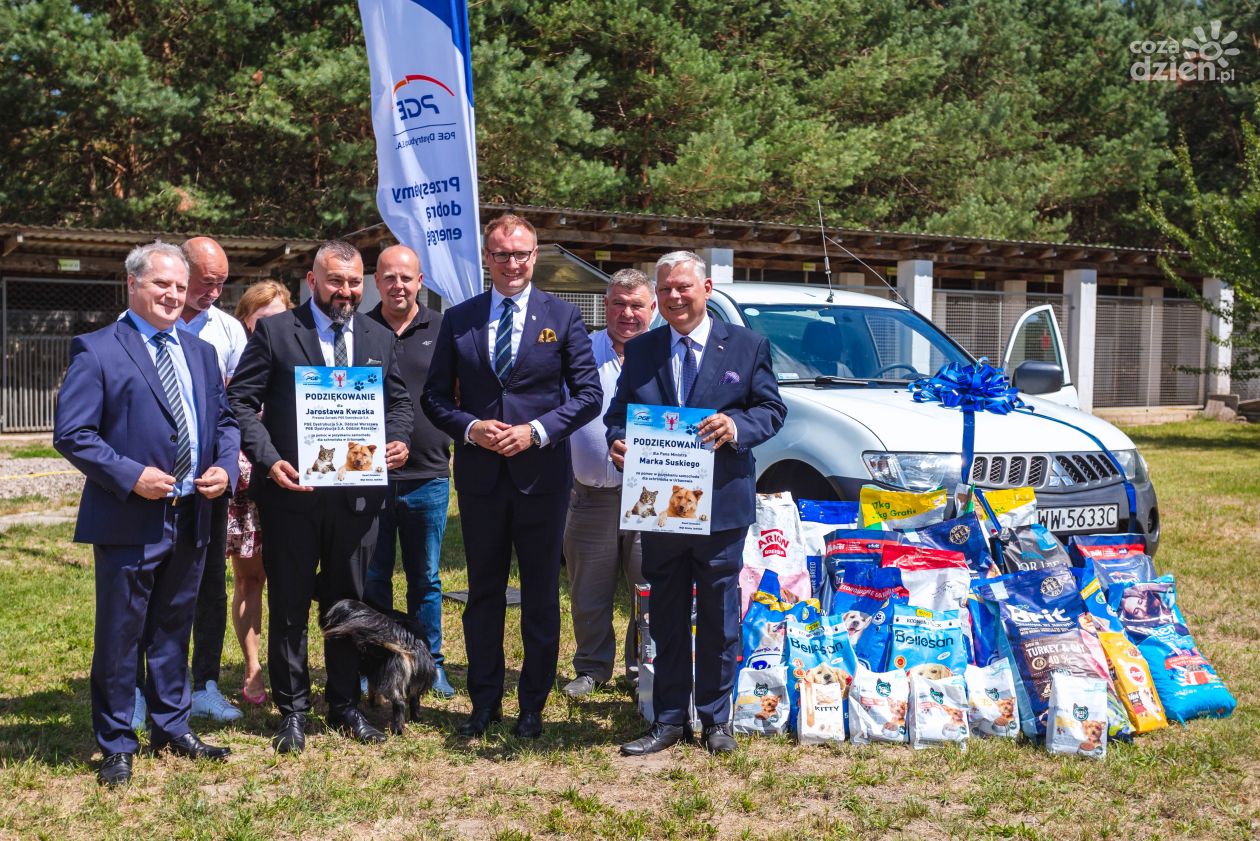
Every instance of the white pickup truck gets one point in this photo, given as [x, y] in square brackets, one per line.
[844, 361]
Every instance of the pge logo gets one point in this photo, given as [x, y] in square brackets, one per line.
[417, 103]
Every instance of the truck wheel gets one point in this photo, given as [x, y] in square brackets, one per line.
[798, 479]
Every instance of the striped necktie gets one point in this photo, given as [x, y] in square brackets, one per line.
[340, 358]
[503, 343]
[688, 370]
[170, 384]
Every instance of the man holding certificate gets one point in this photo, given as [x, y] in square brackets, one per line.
[698, 362]
[319, 535]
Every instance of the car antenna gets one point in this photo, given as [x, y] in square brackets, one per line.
[822, 230]
[860, 261]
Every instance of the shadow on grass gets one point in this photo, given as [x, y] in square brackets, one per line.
[53, 727]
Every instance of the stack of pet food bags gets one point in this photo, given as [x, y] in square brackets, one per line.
[932, 630]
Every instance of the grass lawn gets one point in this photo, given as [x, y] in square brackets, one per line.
[1194, 782]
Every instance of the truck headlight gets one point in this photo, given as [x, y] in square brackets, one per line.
[1134, 465]
[914, 471]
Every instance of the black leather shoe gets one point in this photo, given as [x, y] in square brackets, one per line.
[115, 770]
[190, 747]
[528, 725]
[718, 738]
[659, 737]
[291, 737]
[480, 721]
[353, 723]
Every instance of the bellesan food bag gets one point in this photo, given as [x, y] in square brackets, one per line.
[962, 534]
[938, 712]
[818, 519]
[820, 668]
[927, 642]
[1186, 684]
[1012, 507]
[1077, 716]
[1133, 682]
[878, 704]
[901, 509]
[992, 706]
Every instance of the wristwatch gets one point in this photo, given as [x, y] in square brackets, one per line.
[534, 437]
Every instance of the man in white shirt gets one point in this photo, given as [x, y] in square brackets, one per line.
[595, 550]
[207, 272]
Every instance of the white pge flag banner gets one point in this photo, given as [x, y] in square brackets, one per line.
[426, 148]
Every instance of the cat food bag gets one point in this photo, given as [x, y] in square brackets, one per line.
[1032, 547]
[933, 578]
[761, 701]
[938, 711]
[962, 534]
[927, 642]
[1041, 612]
[1012, 507]
[1185, 683]
[820, 669]
[818, 519]
[878, 703]
[901, 509]
[1078, 716]
[1101, 569]
[1082, 547]
[1133, 682]
[992, 709]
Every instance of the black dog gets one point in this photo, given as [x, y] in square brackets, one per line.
[396, 660]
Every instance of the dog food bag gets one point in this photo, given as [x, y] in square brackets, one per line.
[764, 627]
[761, 701]
[818, 519]
[992, 706]
[986, 631]
[938, 711]
[820, 667]
[933, 578]
[1082, 547]
[774, 541]
[1012, 507]
[1078, 716]
[901, 509]
[1133, 682]
[962, 534]
[843, 547]
[1032, 547]
[878, 702]
[1185, 682]
[927, 642]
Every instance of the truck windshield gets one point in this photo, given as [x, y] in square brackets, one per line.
[821, 343]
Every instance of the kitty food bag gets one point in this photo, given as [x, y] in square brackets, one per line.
[938, 711]
[820, 668]
[1077, 721]
[878, 702]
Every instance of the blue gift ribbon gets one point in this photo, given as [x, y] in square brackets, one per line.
[984, 388]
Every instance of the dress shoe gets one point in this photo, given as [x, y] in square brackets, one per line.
[442, 684]
[657, 738]
[581, 686]
[115, 770]
[528, 725]
[190, 747]
[351, 722]
[291, 737]
[479, 722]
[718, 738]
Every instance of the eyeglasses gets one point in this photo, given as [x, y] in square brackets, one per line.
[504, 256]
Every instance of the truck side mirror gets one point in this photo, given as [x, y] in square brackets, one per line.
[1034, 377]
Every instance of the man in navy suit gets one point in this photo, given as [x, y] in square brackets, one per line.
[142, 413]
[512, 377]
[697, 360]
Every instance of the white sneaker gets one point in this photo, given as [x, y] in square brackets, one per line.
[210, 703]
[139, 718]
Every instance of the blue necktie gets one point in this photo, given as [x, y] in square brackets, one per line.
[503, 343]
[170, 384]
[688, 370]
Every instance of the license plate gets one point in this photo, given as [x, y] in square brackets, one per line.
[1080, 518]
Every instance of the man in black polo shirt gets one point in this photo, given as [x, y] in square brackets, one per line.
[420, 489]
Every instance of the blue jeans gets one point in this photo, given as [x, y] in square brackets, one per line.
[416, 513]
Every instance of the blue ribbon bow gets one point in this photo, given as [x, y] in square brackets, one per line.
[971, 388]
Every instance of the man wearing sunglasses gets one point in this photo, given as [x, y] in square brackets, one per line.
[512, 377]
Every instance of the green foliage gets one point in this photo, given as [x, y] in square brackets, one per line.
[1002, 118]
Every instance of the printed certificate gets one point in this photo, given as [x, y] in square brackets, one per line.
[340, 426]
[668, 477]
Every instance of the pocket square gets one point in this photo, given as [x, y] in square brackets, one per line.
[730, 377]
[373, 361]
[547, 335]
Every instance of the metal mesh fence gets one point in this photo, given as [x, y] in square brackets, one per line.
[982, 321]
[1139, 346]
